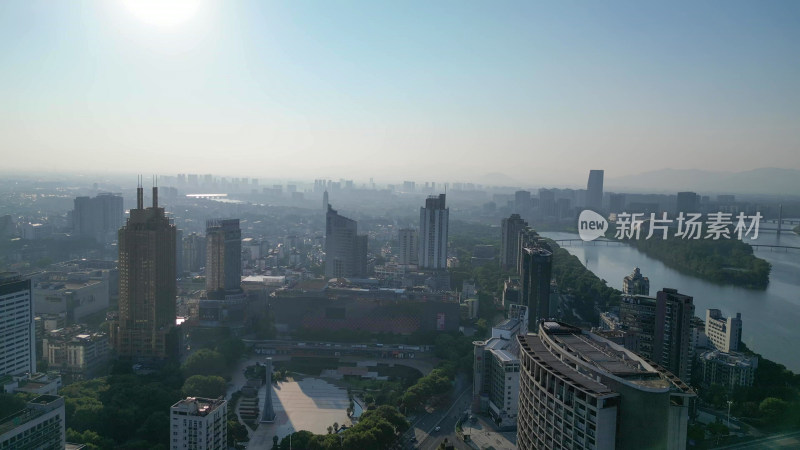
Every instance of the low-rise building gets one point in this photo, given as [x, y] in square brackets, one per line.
[77, 354]
[76, 295]
[40, 425]
[727, 369]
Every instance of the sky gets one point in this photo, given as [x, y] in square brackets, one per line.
[532, 92]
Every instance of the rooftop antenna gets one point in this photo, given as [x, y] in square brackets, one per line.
[139, 193]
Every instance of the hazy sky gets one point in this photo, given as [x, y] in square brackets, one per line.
[399, 90]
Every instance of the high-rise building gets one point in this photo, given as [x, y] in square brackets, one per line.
[636, 284]
[616, 203]
[147, 287]
[509, 246]
[594, 190]
[409, 247]
[40, 425]
[223, 257]
[325, 201]
[727, 369]
[99, 217]
[724, 333]
[194, 252]
[345, 250]
[537, 267]
[547, 203]
[637, 317]
[672, 340]
[522, 203]
[199, 423]
[687, 202]
[433, 226]
[581, 391]
[17, 328]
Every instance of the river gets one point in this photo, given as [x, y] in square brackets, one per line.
[770, 318]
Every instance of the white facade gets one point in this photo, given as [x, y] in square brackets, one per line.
[199, 424]
[17, 330]
[724, 333]
[433, 225]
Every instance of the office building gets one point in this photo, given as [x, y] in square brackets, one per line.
[433, 225]
[199, 423]
[594, 190]
[509, 244]
[581, 391]
[345, 250]
[537, 267]
[724, 333]
[17, 328]
[637, 317]
[99, 217]
[727, 369]
[636, 284]
[672, 340]
[40, 425]
[147, 286]
[223, 257]
[409, 247]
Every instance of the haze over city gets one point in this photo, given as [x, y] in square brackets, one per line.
[453, 90]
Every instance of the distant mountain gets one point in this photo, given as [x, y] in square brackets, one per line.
[768, 180]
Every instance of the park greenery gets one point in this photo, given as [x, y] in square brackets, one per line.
[724, 261]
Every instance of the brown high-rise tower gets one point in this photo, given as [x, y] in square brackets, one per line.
[147, 286]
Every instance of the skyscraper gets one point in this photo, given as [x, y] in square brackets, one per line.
[636, 284]
[687, 202]
[223, 257]
[509, 230]
[537, 267]
[672, 346]
[99, 217]
[581, 391]
[345, 250]
[409, 246]
[194, 252]
[637, 315]
[433, 224]
[18, 347]
[522, 203]
[147, 286]
[594, 190]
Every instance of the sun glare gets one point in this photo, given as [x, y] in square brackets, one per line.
[163, 13]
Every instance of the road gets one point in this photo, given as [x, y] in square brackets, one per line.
[780, 441]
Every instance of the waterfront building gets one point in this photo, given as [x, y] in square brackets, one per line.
[537, 267]
[581, 391]
[594, 190]
[672, 340]
[636, 283]
[637, 316]
[724, 333]
[727, 369]
[509, 246]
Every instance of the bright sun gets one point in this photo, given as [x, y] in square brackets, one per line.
[163, 13]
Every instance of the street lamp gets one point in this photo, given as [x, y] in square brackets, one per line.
[729, 413]
[291, 430]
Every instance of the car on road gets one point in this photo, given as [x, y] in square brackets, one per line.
[437, 428]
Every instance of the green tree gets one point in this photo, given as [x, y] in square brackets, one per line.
[204, 386]
[205, 362]
[772, 408]
[232, 349]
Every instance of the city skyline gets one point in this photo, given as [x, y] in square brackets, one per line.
[467, 88]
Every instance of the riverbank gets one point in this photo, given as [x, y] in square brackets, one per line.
[724, 261]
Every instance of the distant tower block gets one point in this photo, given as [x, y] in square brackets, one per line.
[268, 415]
